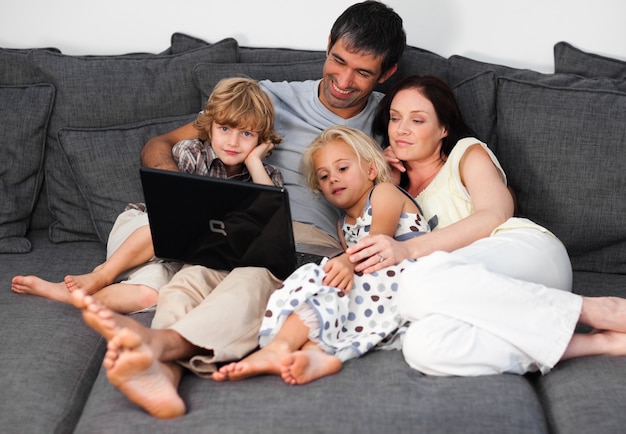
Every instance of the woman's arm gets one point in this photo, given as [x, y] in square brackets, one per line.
[157, 152]
[493, 205]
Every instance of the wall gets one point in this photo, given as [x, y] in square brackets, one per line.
[519, 34]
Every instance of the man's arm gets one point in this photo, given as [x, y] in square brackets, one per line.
[157, 152]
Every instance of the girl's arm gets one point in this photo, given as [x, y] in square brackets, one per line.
[387, 204]
[493, 205]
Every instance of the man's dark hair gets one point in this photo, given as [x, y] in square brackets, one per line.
[371, 27]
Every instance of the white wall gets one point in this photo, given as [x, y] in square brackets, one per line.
[514, 33]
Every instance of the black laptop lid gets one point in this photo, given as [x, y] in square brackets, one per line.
[219, 223]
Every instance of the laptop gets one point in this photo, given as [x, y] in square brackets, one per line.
[223, 224]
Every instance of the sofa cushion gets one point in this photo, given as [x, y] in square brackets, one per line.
[24, 114]
[182, 42]
[16, 67]
[570, 59]
[105, 163]
[208, 74]
[102, 91]
[477, 99]
[417, 61]
[563, 151]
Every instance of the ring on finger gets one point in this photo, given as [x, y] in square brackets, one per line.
[380, 258]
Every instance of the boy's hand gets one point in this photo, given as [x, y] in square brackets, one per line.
[259, 152]
[339, 273]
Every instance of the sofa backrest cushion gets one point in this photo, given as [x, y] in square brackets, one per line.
[24, 114]
[570, 59]
[103, 91]
[207, 75]
[562, 148]
[105, 165]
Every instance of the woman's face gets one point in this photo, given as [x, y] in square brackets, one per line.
[415, 133]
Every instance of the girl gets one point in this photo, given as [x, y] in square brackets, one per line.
[324, 314]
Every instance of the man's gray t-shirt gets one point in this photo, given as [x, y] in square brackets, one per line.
[300, 118]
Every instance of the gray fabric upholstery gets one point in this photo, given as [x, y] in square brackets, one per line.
[102, 91]
[24, 114]
[560, 138]
[105, 163]
[208, 74]
[572, 60]
[570, 177]
[374, 394]
[477, 99]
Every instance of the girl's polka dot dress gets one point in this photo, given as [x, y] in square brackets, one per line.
[345, 325]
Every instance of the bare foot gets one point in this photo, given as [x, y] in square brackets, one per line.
[33, 285]
[98, 317]
[133, 369]
[89, 283]
[305, 366]
[264, 361]
[604, 313]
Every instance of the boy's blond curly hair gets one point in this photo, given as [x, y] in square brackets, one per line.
[239, 103]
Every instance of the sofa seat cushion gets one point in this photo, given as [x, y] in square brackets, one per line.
[105, 163]
[24, 114]
[50, 359]
[563, 151]
[376, 393]
[103, 91]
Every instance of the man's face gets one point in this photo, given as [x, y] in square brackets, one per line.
[348, 79]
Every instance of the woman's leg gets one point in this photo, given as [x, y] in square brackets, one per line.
[510, 317]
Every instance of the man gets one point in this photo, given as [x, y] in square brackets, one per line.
[364, 46]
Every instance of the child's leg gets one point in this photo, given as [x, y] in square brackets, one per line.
[33, 285]
[125, 297]
[135, 250]
[292, 336]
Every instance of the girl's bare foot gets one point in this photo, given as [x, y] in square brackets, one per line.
[264, 361]
[305, 366]
[133, 369]
[89, 283]
[33, 285]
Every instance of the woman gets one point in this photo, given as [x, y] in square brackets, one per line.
[490, 292]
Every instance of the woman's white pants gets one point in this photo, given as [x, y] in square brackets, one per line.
[502, 304]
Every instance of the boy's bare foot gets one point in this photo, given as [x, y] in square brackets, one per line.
[302, 367]
[33, 285]
[89, 283]
[101, 319]
[264, 361]
[133, 369]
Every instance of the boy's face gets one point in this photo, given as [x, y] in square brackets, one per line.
[232, 145]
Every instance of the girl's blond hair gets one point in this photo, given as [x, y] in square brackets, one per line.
[364, 147]
[238, 103]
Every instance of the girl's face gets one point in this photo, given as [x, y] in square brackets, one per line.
[343, 180]
[232, 145]
[415, 133]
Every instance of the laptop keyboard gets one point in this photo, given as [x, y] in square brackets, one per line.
[306, 258]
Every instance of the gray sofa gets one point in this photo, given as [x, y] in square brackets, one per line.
[71, 129]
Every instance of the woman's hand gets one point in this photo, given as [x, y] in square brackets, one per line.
[375, 252]
[339, 273]
[397, 166]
